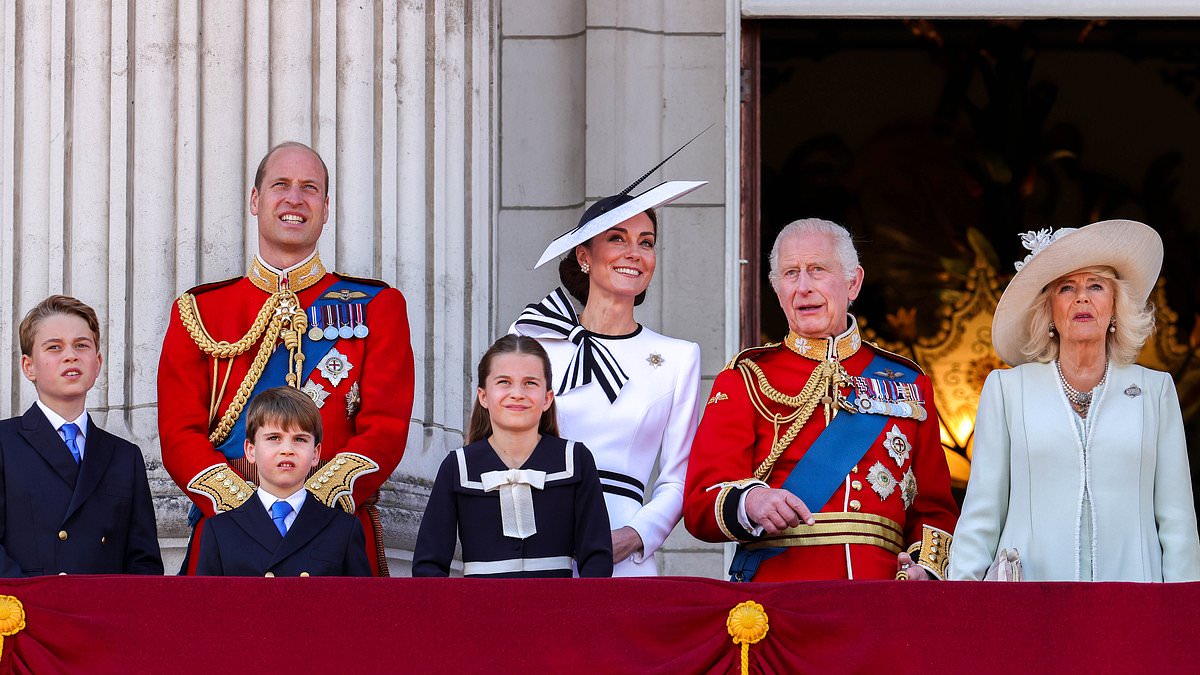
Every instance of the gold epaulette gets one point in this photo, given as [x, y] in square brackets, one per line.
[334, 483]
[933, 551]
[738, 357]
[223, 486]
[907, 361]
[212, 286]
[366, 281]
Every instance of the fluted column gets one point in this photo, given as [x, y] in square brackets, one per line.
[131, 130]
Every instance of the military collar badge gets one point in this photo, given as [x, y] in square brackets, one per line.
[836, 348]
[295, 279]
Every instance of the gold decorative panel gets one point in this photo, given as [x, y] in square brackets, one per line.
[959, 357]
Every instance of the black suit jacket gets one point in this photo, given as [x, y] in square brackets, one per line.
[95, 517]
[321, 542]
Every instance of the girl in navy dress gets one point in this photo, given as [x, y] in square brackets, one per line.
[524, 502]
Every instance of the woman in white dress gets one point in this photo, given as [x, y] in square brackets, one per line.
[627, 392]
[1080, 462]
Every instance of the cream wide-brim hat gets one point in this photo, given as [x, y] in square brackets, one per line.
[1131, 248]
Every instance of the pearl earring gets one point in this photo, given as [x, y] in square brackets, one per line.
[585, 268]
[1051, 329]
[1112, 326]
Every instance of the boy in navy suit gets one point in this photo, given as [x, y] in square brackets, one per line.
[285, 531]
[73, 498]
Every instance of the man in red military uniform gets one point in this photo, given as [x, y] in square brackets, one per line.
[343, 341]
[821, 456]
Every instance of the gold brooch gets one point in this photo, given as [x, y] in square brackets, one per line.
[719, 396]
[655, 360]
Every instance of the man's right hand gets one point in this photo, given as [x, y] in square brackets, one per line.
[776, 510]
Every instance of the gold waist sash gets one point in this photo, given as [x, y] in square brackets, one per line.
[839, 528]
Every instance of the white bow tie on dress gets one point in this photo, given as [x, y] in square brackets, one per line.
[516, 498]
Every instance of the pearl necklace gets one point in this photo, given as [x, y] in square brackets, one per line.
[1080, 400]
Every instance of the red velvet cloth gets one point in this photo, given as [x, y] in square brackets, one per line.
[671, 625]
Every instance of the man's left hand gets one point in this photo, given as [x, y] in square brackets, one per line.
[907, 570]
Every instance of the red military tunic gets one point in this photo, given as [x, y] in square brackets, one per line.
[908, 485]
[365, 403]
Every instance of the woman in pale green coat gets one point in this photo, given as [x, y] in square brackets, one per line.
[1080, 463]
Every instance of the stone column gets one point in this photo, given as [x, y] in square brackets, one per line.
[130, 133]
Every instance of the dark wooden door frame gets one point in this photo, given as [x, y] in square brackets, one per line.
[750, 256]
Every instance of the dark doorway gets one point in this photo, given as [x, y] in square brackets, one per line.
[936, 142]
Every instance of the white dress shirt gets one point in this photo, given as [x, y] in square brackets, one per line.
[57, 421]
[296, 499]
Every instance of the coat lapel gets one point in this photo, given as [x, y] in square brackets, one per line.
[1120, 406]
[313, 518]
[1048, 412]
[97, 454]
[46, 442]
[254, 521]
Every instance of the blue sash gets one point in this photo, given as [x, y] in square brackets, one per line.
[825, 465]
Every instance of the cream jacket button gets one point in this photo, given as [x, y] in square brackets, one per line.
[305, 574]
[103, 540]
[62, 535]
[269, 574]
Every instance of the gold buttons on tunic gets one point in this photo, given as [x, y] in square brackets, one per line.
[855, 469]
[269, 574]
[857, 485]
[305, 574]
[855, 505]
[62, 535]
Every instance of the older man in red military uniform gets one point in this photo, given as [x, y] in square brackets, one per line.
[343, 341]
[821, 456]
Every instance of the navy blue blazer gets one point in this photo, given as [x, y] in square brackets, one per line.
[321, 542]
[95, 517]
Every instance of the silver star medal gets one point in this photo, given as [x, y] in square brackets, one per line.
[881, 480]
[334, 366]
[316, 392]
[908, 487]
[897, 445]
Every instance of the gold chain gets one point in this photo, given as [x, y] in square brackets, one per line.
[826, 378]
[281, 309]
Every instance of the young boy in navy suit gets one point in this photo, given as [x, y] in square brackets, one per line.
[73, 498]
[285, 531]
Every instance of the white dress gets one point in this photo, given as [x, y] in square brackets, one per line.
[652, 419]
[1119, 504]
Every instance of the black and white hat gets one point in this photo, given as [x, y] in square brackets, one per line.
[613, 210]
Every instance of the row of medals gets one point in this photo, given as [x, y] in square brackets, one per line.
[352, 325]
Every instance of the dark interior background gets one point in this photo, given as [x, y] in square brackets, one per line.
[936, 141]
